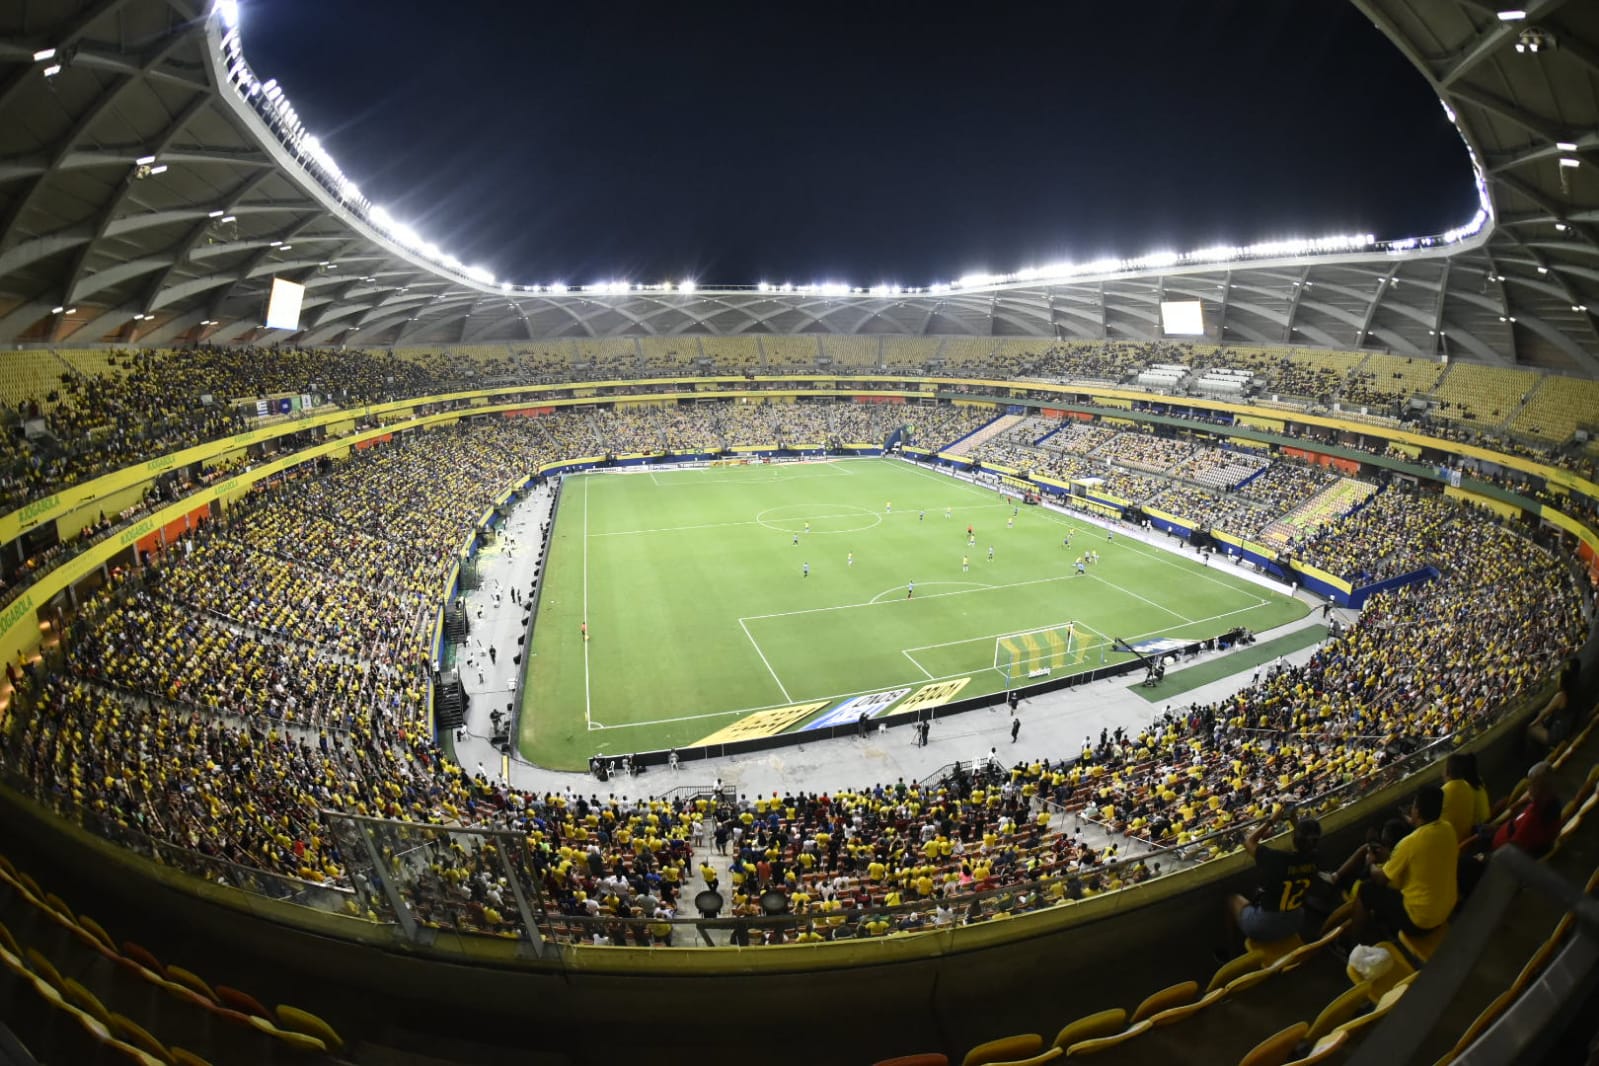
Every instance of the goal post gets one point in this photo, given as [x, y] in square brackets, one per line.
[1019, 655]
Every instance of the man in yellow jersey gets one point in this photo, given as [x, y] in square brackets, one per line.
[1415, 890]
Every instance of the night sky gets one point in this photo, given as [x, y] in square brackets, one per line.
[863, 143]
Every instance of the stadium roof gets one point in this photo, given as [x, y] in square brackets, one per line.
[151, 186]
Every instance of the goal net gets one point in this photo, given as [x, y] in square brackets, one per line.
[1019, 655]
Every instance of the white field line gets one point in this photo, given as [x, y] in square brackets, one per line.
[762, 654]
[906, 652]
[726, 525]
[1129, 592]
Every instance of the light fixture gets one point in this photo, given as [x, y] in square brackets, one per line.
[1514, 15]
[162, 169]
[1560, 226]
[1570, 161]
[1566, 146]
[44, 53]
[144, 160]
[57, 310]
[52, 70]
[1543, 270]
[230, 218]
[215, 214]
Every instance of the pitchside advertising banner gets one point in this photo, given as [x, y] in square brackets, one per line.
[851, 710]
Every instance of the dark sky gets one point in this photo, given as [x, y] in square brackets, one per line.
[862, 142]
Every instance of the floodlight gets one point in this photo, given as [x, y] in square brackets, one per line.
[44, 53]
[1566, 146]
[686, 286]
[214, 214]
[1515, 15]
[1568, 161]
[162, 169]
[52, 70]
[144, 160]
[229, 10]
[57, 310]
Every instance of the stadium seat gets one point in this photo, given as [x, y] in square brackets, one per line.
[193, 982]
[92, 927]
[303, 1021]
[1047, 1055]
[143, 957]
[85, 1000]
[242, 1001]
[1275, 1049]
[1092, 1026]
[9, 942]
[1173, 1015]
[1399, 969]
[1423, 946]
[132, 1032]
[1344, 1006]
[180, 1057]
[1175, 996]
[43, 967]
[1246, 963]
[926, 1058]
[1084, 1048]
[1272, 950]
[298, 1041]
[1006, 1047]
[1323, 1050]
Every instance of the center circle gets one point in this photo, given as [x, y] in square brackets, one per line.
[821, 517]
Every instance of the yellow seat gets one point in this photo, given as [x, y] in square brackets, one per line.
[1342, 1008]
[9, 942]
[1423, 946]
[1275, 1049]
[192, 981]
[1173, 1015]
[298, 1041]
[1245, 963]
[43, 967]
[182, 1057]
[1324, 1049]
[1174, 996]
[1047, 1055]
[1380, 984]
[1006, 1047]
[85, 1000]
[1092, 1026]
[131, 1031]
[1272, 950]
[1084, 1048]
[93, 928]
[303, 1021]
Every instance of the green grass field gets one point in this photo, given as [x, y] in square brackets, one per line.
[699, 612]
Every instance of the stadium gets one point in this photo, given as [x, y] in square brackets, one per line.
[410, 666]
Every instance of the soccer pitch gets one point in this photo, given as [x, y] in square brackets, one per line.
[700, 612]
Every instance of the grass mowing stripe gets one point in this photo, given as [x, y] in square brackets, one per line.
[1202, 674]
